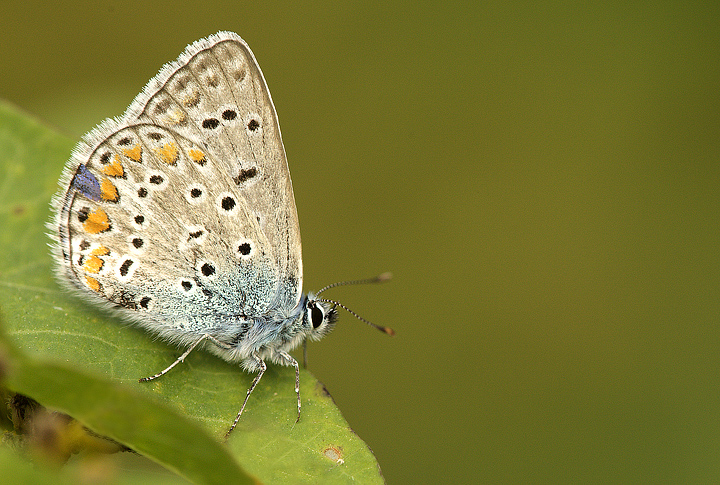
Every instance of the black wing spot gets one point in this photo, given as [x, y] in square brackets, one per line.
[244, 249]
[245, 175]
[207, 269]
[253, 125]
[210, 123]
[125, 267]
[83, 214]
[227, 203]
[195, 235]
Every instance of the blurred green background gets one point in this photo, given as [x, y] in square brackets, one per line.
[543, 181]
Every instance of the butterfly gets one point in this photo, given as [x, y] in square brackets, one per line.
[180, 216]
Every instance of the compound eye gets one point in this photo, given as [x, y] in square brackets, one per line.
[316, 315]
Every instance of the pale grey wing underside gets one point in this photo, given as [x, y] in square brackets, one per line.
[199, 165]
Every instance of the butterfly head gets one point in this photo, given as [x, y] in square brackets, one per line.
[320, 317]
[321, 313]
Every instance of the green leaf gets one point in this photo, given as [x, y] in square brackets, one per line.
[75, 358]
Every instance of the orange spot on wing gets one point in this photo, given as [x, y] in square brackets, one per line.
[108, 191]
[93, 264]
[97, 221]
[134, 153]
[168, 153]
[197, 156]
[100, 251]
[115, 169]
[93, 283]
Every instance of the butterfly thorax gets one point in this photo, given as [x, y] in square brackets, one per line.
[275, 333]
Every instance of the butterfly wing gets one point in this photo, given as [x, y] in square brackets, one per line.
[192, 182]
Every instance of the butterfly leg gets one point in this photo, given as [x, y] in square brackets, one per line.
[263, 367]
[289, 358]
[181, 358]
[305, 354]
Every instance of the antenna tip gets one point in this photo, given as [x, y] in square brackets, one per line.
[388, 331]
[383, 277]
